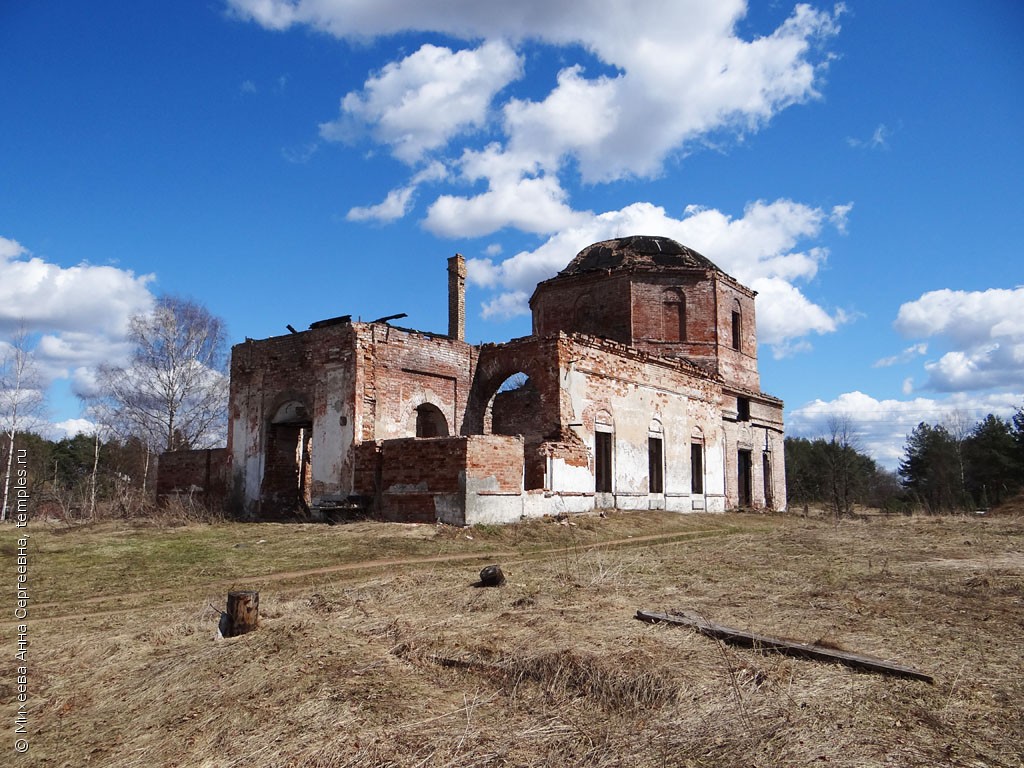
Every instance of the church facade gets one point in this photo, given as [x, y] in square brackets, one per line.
[638, 388]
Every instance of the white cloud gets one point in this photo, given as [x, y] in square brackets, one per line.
[72, 427]
[679, 76]
[420, 103]
[968, 317]
[531, 205]
[986, 329]
[394, 206]
[80, 313]
[784, 313]
[507, 305]
[399, 201]
[881, 426]
[85, 297]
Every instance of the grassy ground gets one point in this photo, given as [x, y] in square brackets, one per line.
[375, 650]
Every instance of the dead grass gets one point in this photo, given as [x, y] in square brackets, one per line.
[403, 663]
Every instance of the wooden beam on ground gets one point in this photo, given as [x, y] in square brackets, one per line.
[778, 645]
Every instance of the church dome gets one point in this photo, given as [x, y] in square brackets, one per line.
[637, 252]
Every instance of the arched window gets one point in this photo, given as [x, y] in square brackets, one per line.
[673, 316]
[430, 422]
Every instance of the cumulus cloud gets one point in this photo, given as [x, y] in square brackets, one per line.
[760, 249]
[42, 294]
[680, 76]
[79, 313]
[536, 205]
[72, 427]
[881, 426]
[985, 329]
[420, 103]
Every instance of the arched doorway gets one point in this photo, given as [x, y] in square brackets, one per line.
[288, 456]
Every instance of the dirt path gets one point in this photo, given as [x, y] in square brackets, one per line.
[508, 555]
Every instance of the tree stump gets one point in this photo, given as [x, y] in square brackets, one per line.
[242, 614]
[491, 576]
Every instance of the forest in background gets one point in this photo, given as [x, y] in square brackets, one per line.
[946, 468]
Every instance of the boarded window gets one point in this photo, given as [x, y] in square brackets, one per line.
[603, 462]
[696, 468]
[673, 316]
[583, 315]
[655, 473]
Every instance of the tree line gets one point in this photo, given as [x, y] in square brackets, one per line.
[948, 467]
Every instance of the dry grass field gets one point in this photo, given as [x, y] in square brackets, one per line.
[375, 649]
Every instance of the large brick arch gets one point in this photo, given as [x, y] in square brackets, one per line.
[537, 358]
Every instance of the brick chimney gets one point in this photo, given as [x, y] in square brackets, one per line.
[457, 297]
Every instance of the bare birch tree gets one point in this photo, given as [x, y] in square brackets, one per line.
[173, 392]
[22, 401]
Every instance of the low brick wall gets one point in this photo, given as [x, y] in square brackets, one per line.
[426, 480]
[202, 473]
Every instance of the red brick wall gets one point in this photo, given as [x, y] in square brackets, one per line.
[402, 370]
[648, 300]
[409, 478]
[737, 367]
[556, 306]
[203, 473]
[495, 457]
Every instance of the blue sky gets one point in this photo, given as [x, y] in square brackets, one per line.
[859, 165]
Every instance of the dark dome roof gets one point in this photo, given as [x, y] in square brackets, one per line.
[637, 252]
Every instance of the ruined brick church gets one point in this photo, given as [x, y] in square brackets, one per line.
[638, 388]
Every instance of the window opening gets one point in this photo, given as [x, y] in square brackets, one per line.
[603, 462]
[743, 409]
[696, 468]
[655, 474]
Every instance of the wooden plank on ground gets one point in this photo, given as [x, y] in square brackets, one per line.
[778, 645]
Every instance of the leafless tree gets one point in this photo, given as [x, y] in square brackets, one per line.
[22, 401]
[842, 458]
[173, 392]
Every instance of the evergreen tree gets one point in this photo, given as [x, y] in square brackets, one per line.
[930, 469]
[993, 461]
